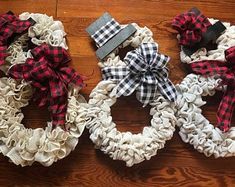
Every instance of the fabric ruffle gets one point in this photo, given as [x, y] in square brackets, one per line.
[46, 30]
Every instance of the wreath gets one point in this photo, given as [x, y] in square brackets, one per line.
[207, 46]
[34, 57]
[143, 70]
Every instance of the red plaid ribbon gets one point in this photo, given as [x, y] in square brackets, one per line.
[10, 27]
[190, 27]
[226, 71]
[49, 74]
[3, 54]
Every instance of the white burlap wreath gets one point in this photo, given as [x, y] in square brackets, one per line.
[131, 148]
[194, 127]
[22, 145]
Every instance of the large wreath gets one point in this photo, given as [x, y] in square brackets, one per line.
[194, 127]
[22, 145]
[125, 146]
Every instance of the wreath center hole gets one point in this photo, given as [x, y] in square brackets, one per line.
[129, 115]
[123, 51]
[34, 116]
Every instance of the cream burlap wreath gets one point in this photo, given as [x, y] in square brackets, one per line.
[194, 127]
[125, 146]
[24, 146]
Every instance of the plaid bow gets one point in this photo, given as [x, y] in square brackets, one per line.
[49, 74]
[226, 71]
[145, 72]
[11, 27]
[190, 27]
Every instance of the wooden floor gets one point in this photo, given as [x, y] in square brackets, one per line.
[178, 164]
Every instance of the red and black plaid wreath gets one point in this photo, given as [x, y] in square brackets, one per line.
[11, 27]
[226, 71]
[49, 74]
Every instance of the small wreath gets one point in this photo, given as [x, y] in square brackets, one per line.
[125, 146]
[194, 127]
[24, 146]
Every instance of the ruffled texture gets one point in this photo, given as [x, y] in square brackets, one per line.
[190, 27]
[125, 146]
[46, 30]
[194, 127]
[25, 146]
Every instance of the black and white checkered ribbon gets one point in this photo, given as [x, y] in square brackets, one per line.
[145, 72]
[106, 32]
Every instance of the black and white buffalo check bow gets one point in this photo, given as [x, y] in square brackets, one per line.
[145, 72]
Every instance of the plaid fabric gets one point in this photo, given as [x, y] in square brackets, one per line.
[10, 28]
[190, 27]
[106, 32]
[49, 74]
[3, 54]
[226, 71]
[145, 72]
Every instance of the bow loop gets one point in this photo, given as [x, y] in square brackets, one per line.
[49, 74]
[144, 71]
[230, 56]
[224, 70]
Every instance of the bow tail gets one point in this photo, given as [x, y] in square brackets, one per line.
[58, 108]
[225, 110]
[146, 93]
[167, 89]
[58, 101]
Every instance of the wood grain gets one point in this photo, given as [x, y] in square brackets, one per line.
[176, 165]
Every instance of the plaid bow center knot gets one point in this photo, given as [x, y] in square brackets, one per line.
[49, 74]
[145, 72]
[226, 71]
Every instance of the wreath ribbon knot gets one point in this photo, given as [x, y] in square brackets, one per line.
[145, 72]
[226, 71]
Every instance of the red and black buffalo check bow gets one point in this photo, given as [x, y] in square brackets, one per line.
[190, 25]
[49, 74]
[10, 28]
[226, 71]
[196, 31]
